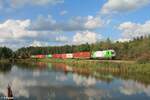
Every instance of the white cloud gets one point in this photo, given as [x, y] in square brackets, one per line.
[62, 38]
[93, 22]
[38, 43]
[82, 81]
[85, 37]
[20, 33]
[16, 34]
[132, 88]
[74, 24]
[64, 12]
[123, 39]
[115, 6]
[20, 3]
[131, 30]
[15, 29]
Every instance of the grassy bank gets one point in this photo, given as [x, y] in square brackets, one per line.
[85, 61]
[122, 66]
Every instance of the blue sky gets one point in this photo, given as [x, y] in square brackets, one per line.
[60, 22]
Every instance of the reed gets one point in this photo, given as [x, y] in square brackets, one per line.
[110, 66]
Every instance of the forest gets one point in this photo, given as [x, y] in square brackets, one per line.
[136, 49]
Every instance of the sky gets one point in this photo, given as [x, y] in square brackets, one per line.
[26, 23]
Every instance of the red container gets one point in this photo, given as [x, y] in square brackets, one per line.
[82, 55]
[56, 56]
[63, 56]
[40, 56]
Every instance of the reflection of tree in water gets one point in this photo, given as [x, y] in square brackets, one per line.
[32, 65]
[26, 65]
[5, 67]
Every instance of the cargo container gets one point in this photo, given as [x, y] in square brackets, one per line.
[82, 55]
[69, 55]
[56, 56]
[63, 56]
[49, 56]
[40, 56]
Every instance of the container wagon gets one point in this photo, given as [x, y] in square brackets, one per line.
[69, 55]
[63, 56]
[58, 56]
[40, 56]
[82, 55]
[48, 56]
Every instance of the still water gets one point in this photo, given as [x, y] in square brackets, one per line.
[46, 81]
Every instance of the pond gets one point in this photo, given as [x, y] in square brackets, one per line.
[47, 81]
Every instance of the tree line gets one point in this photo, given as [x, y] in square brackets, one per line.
[5, 53]
[138, 48]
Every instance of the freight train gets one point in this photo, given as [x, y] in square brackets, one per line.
[105, 54]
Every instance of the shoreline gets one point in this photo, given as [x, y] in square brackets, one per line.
[74, 60]
[87, 60]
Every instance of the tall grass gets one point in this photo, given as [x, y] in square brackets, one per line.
[109, 66]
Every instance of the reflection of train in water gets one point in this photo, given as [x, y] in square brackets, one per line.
[105, 54]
